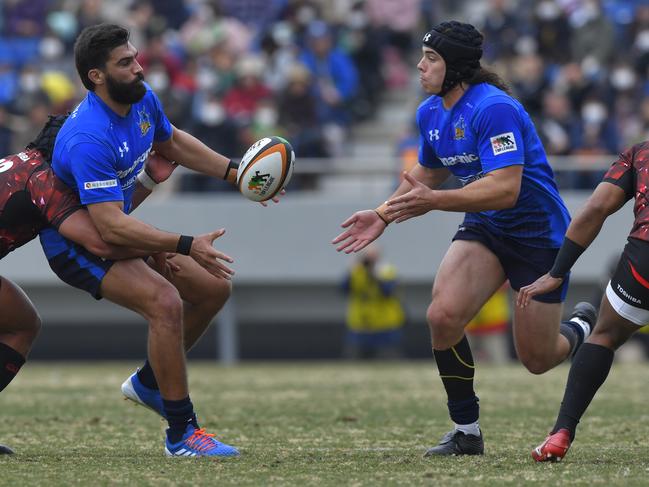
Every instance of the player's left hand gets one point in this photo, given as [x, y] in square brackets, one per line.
[415, 202]
[542, 285]
[158, 168]
[274, 199]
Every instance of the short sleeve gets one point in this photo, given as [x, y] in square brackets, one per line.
[498, 128]
[93, 169]
[163, 128]
[427, 156]
[54, 200]
[621, 173]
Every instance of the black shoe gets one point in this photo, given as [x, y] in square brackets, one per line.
[5, 450]
[586, 312]
[458, 443]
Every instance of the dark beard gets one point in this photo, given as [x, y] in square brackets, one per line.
[126, 93]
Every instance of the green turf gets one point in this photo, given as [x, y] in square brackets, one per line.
[315, 424]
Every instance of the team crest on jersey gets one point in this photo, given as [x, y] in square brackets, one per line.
[144, 123]
[503, 143]
[459, 127]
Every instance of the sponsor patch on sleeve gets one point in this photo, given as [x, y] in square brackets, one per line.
[503, 143]
[109, 183]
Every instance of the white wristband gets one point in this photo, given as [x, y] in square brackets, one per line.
[146, 180]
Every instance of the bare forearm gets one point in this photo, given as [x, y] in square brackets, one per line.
[139, 195]
[190, 152]
[480, 195]
[126, 231]
[433, 178]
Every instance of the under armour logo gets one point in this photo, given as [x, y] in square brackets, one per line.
[124, 150]
[427, 37]
[433, 135]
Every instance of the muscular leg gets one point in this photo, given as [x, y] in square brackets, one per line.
[591, 366]
[134, 285]
[467, 277]
[203, 295]
[19, 326]
[536, 336]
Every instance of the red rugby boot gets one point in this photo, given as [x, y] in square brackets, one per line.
[554, 448]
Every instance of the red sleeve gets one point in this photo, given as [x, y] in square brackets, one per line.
[52, 197]
[621, 173]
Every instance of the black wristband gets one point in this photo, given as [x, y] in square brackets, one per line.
[566, 258]
[184, 244]
[231, 165]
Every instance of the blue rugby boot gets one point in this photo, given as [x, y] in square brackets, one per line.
[197, 443]
[133, 389]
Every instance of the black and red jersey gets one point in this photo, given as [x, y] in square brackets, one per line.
[31, 197]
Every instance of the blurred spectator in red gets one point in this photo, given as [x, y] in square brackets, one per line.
[241, 100]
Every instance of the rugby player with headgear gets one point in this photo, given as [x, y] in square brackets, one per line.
[31, 199]
[513, 225]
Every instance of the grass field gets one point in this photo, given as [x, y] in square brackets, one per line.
[316, 424]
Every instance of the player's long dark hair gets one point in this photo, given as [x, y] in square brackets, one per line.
[483, 75]
[44, 141]
[93, 46]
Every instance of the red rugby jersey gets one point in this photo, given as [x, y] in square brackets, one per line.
[31, 197]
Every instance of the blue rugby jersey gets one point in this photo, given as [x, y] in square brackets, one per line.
[488, 130]
[99, 153]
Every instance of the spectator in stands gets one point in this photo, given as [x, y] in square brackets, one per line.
[298, 114]
[242, 99]
[336, 81]
[375, 317]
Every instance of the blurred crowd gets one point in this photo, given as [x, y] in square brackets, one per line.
[229, 71]
[580, 69]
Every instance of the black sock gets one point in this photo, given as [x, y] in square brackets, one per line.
[574, 334]
[456, 369]
[147, 377]
[179, 415]
[10, 363]
[589, 370]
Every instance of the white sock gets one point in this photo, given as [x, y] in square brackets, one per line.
[469, 429]
[583, 324]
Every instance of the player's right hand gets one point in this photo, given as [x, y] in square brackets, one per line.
[364, 227]
[542, 285]
[208, 257]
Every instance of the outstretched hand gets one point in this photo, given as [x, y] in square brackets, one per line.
[208, 257]
[542, 285]
[364, 227]
[414, 203]
[158, 168]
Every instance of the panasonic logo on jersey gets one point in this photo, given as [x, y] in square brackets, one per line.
[463, 158]
[142, 158]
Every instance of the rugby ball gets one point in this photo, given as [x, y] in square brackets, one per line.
[265, 168]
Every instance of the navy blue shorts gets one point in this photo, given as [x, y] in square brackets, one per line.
[522, 264]
[81, 269]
